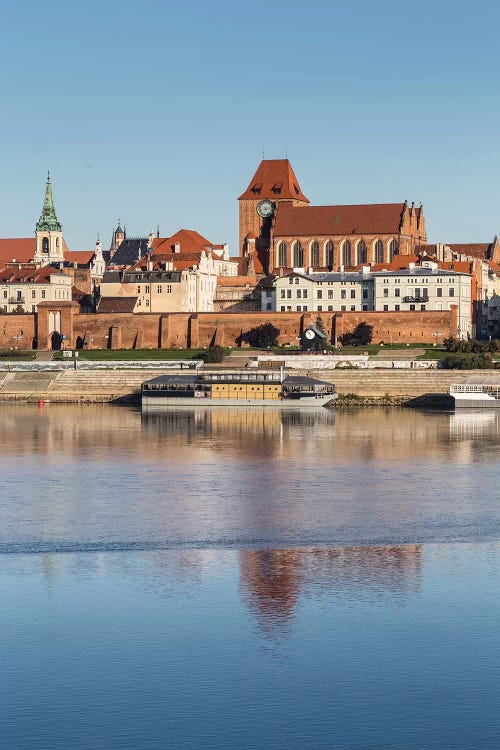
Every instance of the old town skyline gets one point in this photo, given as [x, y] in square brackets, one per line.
[376, 104]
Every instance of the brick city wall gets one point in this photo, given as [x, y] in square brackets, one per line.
[404, 327]
[152, 331]
[17, 331]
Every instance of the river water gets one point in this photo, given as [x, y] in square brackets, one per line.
[248, 578]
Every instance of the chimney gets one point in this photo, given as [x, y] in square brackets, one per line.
[365, 270]
[149, 265]
[342, 268]
[177, 247]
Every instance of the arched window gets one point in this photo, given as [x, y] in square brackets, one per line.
[393, 249]
[315, 254]
[298, 255]
[329, 254]
[379, 251]
[45, 245]
[282, 253]
[361, 252]
[346, 253]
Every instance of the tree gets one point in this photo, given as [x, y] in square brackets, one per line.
[213, 354]
[362, 335]
[467, 362]
[261, 336]
[320, 325]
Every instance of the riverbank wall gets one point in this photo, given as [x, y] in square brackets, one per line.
[110, 385]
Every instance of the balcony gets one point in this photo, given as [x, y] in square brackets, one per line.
[16, 301]
[416, 299]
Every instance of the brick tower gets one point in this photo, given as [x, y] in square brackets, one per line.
[274, 182]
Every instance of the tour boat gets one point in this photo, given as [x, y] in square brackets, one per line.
[476, 393]
[242, 388]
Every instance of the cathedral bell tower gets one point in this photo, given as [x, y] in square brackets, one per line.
[49, 237]
[273, 183]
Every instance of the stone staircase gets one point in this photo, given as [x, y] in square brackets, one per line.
[397, 382]
[115, 385]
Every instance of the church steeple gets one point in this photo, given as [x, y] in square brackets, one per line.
[49, 237]
[48, 221]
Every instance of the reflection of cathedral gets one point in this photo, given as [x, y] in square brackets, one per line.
[272, 581]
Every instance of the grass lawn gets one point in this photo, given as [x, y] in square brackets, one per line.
[376, 348]
[135, 354]
[433, 354]
[16, 354]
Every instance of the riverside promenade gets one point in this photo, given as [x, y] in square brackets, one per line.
[112, 382]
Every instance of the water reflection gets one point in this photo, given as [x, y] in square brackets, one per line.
[273, 581]
[100, 478]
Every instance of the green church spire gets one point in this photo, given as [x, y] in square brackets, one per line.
[48, 221]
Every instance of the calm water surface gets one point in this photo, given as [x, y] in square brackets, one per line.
[248, 579]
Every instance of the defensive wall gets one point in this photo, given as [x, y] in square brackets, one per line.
[181, 330]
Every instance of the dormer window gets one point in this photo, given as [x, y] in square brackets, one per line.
[297, 191]
[257, 189]
[277, 188]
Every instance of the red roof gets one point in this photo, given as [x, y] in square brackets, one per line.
[188, 240]
[27, 273]
[82, 257]
[399, 263]
[236, 281]
[306, 221]
[116, 304]
[274, 179]
[474, 249]
[19, 249]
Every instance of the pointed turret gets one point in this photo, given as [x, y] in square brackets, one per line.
[49, 238]
[48, 221]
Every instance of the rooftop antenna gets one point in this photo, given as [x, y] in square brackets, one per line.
[262, 152]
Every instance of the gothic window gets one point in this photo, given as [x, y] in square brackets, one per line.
[346, 253]
[361, 252]
[298, 255]
[329, 254]
[45, 245]
[379, 251]
[314, 254]
[282, 252]
[393, 249]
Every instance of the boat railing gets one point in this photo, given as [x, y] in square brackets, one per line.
[490, 390]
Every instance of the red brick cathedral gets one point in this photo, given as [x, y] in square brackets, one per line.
[280, 230]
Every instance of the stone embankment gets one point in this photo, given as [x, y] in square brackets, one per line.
[354, 386]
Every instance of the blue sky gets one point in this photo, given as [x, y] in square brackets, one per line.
[157, 112]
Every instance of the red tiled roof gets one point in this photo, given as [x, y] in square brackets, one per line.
[20, 249]
[116, 304]
[236, 281]
[27, 273]
[82, 257]
[474, 249]
[189, 241]
[306, 221]
[276, 180]
[399, 262]
[298, 221]
[464, 266]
